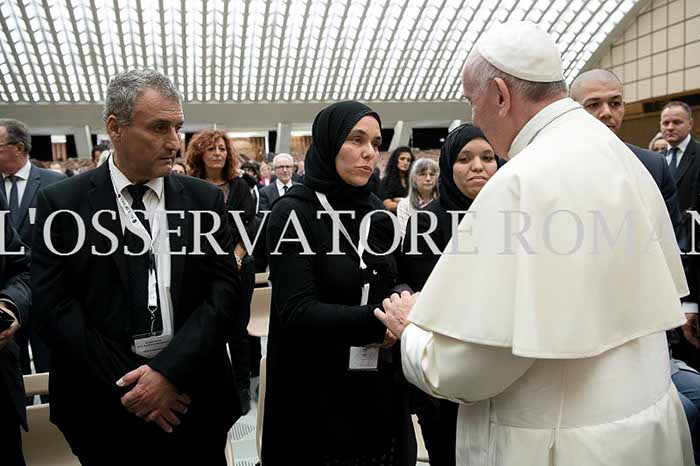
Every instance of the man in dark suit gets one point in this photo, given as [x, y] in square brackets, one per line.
[284, 168]
[138, 314]
[676, 125]
[15, 299]
[22, 181]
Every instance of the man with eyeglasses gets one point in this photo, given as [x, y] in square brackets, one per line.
[284, 168]
[21, 182]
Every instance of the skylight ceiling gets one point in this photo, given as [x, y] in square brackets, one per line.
[275, 50]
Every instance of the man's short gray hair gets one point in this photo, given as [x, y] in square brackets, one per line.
[17, 132]
[126, 87]
[482, 73]
[281, 156]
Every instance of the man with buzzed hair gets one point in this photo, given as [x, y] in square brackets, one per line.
[600, 93]
[551, 340]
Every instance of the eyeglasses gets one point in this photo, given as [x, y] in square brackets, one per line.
[284, 167]
[8, 144]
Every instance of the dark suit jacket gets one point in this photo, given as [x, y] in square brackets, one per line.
[268, 195]
[14, 285]
[81, 308]
[686, 177]
[656, 164]
[38, 178]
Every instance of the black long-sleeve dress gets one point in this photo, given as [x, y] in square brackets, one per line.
[317, 411]
[240, 199]
[438, 418]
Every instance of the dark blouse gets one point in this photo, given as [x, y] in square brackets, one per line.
[315, 407]
[240, 199]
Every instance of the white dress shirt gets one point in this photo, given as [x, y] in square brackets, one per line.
[280, 186]
[681, 150]
[22, 177]
[154, 201]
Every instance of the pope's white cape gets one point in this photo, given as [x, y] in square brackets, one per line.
[568, 288]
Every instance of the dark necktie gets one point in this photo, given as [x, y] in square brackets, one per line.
[673, 164]
[13, 200]
[139, 266]
[285, 188]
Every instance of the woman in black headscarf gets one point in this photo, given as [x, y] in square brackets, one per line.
[467, 161]
[327, 401]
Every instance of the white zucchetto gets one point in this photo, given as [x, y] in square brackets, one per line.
[523, 50]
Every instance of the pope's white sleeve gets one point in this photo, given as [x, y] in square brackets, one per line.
[456, 370]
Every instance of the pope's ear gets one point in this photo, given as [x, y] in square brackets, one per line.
[503, 96]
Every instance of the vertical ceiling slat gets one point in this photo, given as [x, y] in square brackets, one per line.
[120, 34]
[364, 80]
[183, 46]
[283, 35]
[355, 43]
[333, 71]
[266, 17]
[163, 43]
[244, 34]
[142, 37]
[407, 48]
[74, 29]
[41, 64]
[54, 35]
[452, 83]
[304, 30]
[18, 86]
[431, 66]
[222, 62]
[315, 49]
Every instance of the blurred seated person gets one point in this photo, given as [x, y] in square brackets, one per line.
[658, 143]
[422, 190]
[179, 167]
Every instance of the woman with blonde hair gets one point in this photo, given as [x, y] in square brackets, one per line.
[422, 190]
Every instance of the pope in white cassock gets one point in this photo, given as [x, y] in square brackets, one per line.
[545, 316]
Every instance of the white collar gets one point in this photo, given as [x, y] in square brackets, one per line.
[684, 144]
[22, 173]
[121, 181]
[537, 123]
[280, 184]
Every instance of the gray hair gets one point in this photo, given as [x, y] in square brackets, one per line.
[281, 156]
[17, 132]
[483, 73]
[419, 167]
[126, 87]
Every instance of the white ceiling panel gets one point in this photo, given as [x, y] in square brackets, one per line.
[273, 50]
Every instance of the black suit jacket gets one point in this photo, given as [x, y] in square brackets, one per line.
[687, 177]
[656, 164]
[81, 307]
[14, 285]
[38, 178]
[268, 195]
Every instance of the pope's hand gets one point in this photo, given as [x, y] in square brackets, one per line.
[154, 398]
[396, 310]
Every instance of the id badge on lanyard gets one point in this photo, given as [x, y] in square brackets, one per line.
[146, 345]
[362, 358]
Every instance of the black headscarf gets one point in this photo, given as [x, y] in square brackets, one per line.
[331, 126]
[451, 198]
